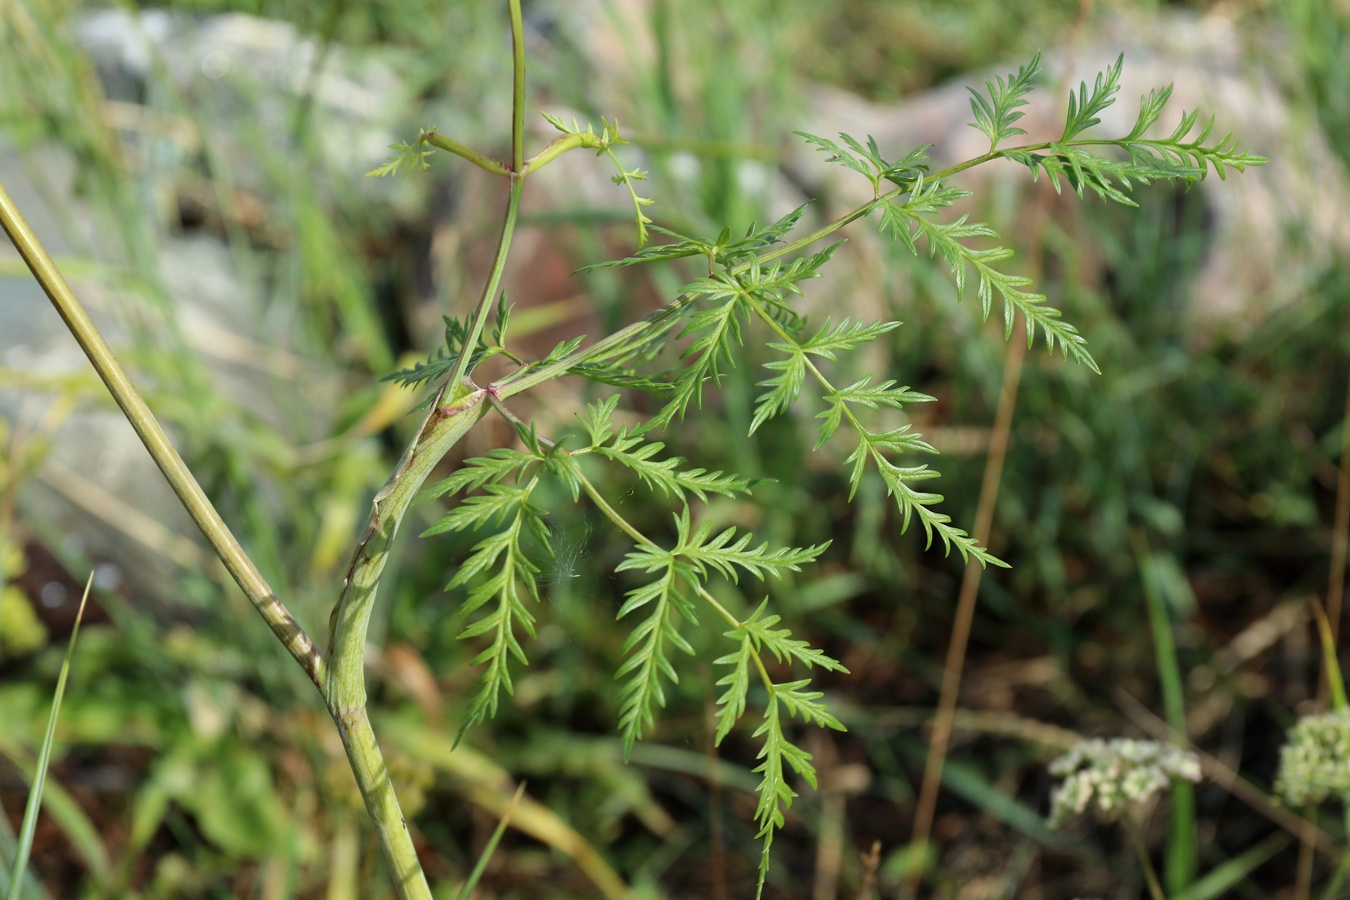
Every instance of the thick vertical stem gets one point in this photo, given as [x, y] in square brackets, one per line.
[344, 684]
[372, 776]
[344, 687]
[459, 406]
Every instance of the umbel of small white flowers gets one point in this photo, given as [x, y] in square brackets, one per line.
[1111, 775]
[1315, 763]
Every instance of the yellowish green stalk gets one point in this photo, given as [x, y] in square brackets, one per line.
[152, 435]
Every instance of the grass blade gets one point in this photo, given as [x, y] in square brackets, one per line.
[30, 890]
[1179, 867]
[1333, 669]
[30, 814]
[491, 847]
[1228, 875]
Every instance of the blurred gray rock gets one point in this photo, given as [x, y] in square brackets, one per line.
[239, 77]
[177, 88]
[242, 74]
[1290, 216]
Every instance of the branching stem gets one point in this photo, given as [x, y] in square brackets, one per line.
[641, 539]
[495, 166]
[446, 422]
[494, 281]
[559, 146]
[621, 340]
[460, 404]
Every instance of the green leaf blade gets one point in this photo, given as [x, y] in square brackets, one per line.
[996, 113]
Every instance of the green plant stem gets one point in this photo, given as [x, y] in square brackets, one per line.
[372, 777]
[494, 281]
[513, 201]
[495, 166]
[446, 422]
[621, 340]
[517, 88]
[1150, 877]
[616, 343]
[341, 678]
[559, 146]
[344, 687]
[344, 684]
[1180, 866]
[613, 514]
[152, 435]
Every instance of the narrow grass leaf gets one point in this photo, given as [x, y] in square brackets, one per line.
[483, 858]
[30, 814]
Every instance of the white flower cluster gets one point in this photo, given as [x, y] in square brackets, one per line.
[1110, 775]
[1315, 763]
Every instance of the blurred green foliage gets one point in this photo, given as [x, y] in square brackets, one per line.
[200, 755]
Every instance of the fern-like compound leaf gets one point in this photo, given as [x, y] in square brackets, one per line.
[665, 475]
[847, 336]
[947, 240]
[499, 464]
[914, 503]
[437, 365]
[875, 396]
[865, 167]
[409, 157]
[721, 250]
[503, 592]
[775, 794]
[737, 683]
[760, 629]
[680, 247]
[867, 160]
[996, 112]
[718, 552]
[481, 510]
[649, 644]
[784, 388]
[716, 332]
[1084, 107]
[604, 144]
[872, 397]
[806, 706]
[1150, 110]
[756, 239]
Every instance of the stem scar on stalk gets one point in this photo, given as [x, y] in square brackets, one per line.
[472, 399]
